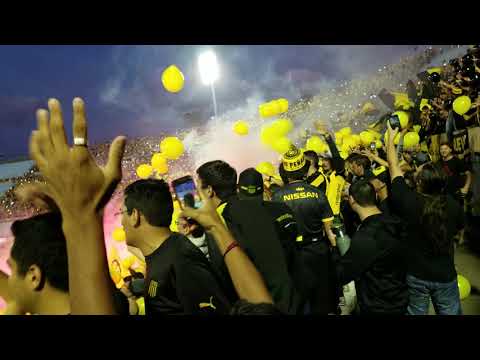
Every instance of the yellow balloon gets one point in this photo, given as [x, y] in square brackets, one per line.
[267, 135]
[162, 169]
[172, 79]
[463, 286]
[282, 145]
[411, 139]
[403, 117]
[172, 148]
[435, 69]
[395, 141]
[158, 161]
[315, 144]
[375, 134]
[144, 171]
[266, 168]
[349, 142]
[417, 128]
[276, 107]
[378, 144]
[366, 138]
[346, 131]
[283, 105]
[356, 138]
[344, 154]
[282, 126]
[338, 138]
[265, 110]
[462, 104]
[240, 128]
[119, 234]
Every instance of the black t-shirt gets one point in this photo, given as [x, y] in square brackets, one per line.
[423, 263]
[309, 205]
[455, 170]
[180, 281]
[376, 262]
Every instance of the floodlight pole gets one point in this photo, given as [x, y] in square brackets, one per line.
[214, 100]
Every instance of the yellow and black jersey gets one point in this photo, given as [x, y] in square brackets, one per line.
[319, 180]
[309, 205]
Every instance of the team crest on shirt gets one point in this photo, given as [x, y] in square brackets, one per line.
[152, 288]
[207, 305]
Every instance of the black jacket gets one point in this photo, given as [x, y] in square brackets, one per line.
[376, 262]
[266, 231]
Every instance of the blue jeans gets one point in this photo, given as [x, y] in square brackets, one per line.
[445, 297]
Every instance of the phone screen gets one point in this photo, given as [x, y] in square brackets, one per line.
[186, 192]
[373, 146]
[394, 122]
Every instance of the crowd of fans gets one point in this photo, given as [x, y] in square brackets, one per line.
[259, 244]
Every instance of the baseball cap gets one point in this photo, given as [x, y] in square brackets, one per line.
[250, 184]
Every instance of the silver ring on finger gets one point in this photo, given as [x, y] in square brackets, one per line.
[78, 141]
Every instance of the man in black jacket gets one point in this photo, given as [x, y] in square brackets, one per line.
[259, 228]
[314, 273]
[375, 259]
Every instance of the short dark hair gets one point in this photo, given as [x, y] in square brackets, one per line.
[446, 142]
[39, 241]
[313, 157]
[220, 176]
[360, 160]
[153, 199]
[363, 193]
[432, 180]
[243, 307]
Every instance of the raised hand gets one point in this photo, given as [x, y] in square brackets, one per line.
[391, 135]
[74, 181]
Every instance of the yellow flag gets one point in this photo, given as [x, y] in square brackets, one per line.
[334, 192]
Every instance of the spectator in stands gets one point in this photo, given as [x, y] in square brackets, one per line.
[433, 219]
[376, 258]
[459, 176]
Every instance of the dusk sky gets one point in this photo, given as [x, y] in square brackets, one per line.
[123, 91]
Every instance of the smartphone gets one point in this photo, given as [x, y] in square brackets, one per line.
[394, 122]
[373, 145]
[186, 192]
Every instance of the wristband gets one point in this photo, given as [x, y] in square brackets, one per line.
[233, 245]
